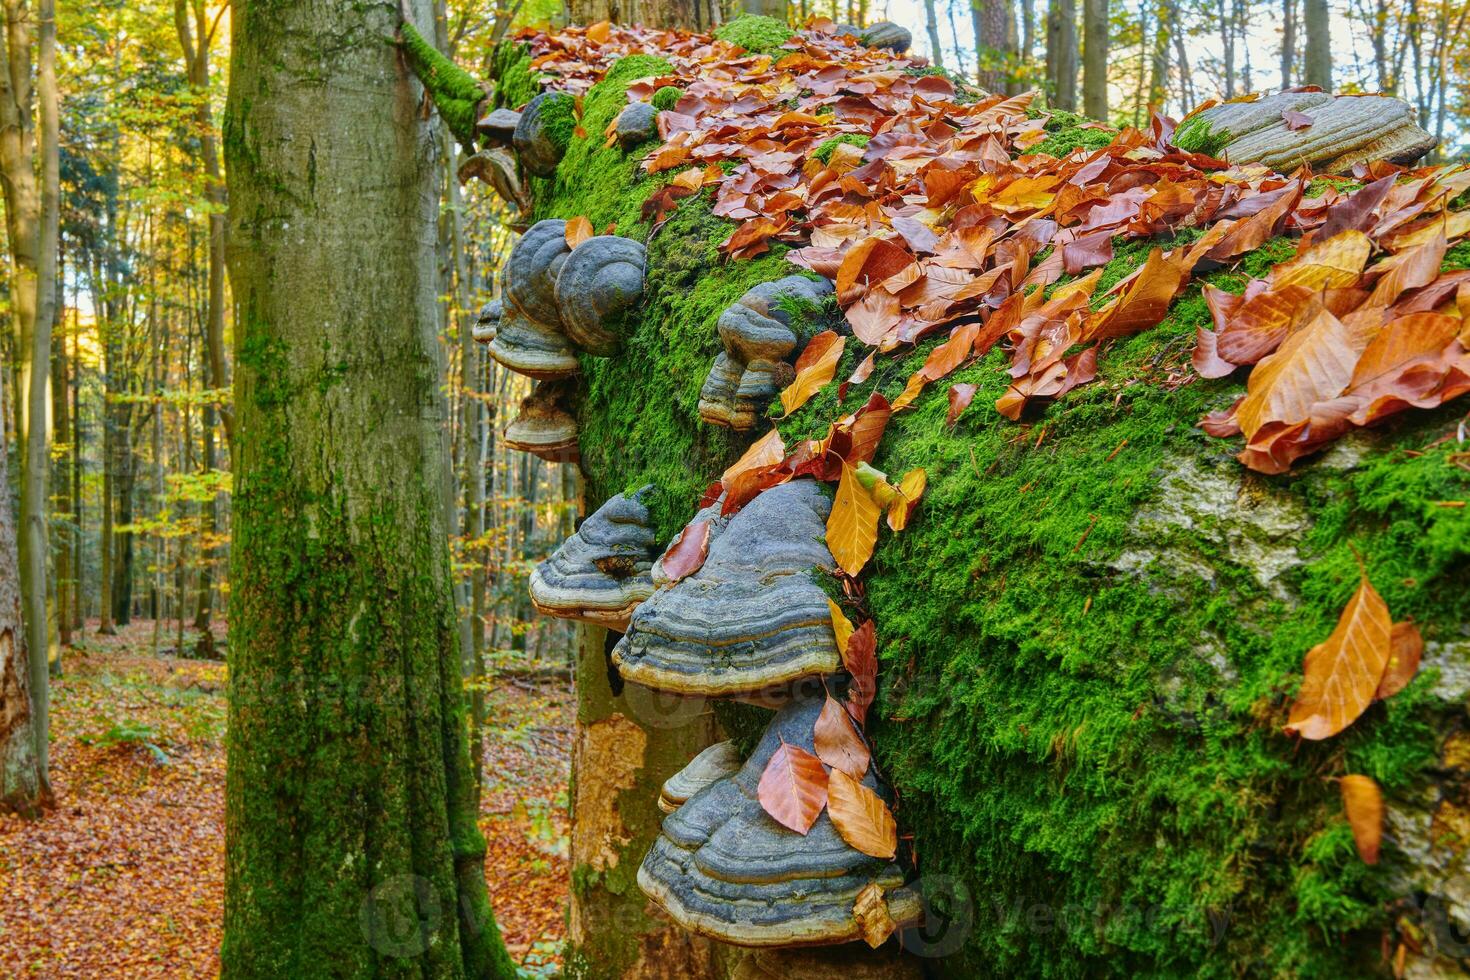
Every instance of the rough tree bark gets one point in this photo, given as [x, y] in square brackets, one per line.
[995, 44]
[352, 848]
[931, 25]
[1318, 67]
[1095, 58]
[691, 14]
[1061, 53]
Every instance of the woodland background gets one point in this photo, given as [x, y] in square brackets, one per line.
[116, 375]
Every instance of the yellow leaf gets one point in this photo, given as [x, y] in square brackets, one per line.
[1364, 805]
[579, 229]
[852, 528]
[861, 816]
[816, 366]
[870, 910]
[910, 489]
[841, 627]
[1338, 261]
[1341, 675]
[910, 391]
[766, 451]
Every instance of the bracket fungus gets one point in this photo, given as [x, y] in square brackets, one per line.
[496, 166]
[760, 344]
[752, 617]
[886, 34]
[529, 340]
[536, 140]
[724, 868]
[716, 762]
[532, 348]
[487, 324]
[544, 426]
[1330, 132]
[601, 279]
[499, 126]
[636, 123]
[600, 574]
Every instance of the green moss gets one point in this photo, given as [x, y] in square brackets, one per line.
[1194, 134]
[755, 33]
[455, 92]
[559, 118]
[1067, 131]
[667, 97]
[824, 149]
[515, 81]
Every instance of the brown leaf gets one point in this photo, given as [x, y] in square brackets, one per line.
[1336, 261]
[960, 396]
[1296, 120]
[910, 489]
[1312, 365]
[816, 366]
[1143, 302]
[793, 788]
[1406, 647]
[687, 554]
[852, 527]
[861, 817]
[1363, 802]
[841, 628]
[950, 354]
[1341, 675]
[866, 430]
[861, 661]
[765, 451]
[870, 909]
[838, 744]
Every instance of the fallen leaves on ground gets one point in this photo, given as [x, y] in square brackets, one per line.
[860, 816]
[1363, 802]
[793, 788]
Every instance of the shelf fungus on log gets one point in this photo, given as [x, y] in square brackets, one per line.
[752, 619]
[600, 574]
[760, 344]
[716, 762]
[499, 126]
[1330, 132]
[496, 166]
[602, 278]
[545, 426]
[530, 340]
[723, 868]
[536, 139]
[886, 34]
[487, 324]
[637, 123]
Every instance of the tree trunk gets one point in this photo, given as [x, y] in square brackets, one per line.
[1158, 72]
[931, 25]
[690, 14]
[64, 443]
[352, 847]
[1095, 59]
[1288, 41]
[23, 784]
[1318, 68]
[995, 44]
[1061, 53]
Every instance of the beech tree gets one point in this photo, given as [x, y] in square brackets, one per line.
[352, 847]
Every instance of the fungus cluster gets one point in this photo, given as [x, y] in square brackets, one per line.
[601, 573]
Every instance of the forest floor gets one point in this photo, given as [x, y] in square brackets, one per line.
[125, 877]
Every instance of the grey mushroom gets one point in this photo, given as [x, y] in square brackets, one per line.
[716, 762]
[638, 122]
[886, 34]
[601, 279]
[545, 426]
[752, 618]
[534, 349]
[723, 868]
[600, 574]
[531, 270]
[533, 140]
[499, 126]
[760, 345]
[487, 324]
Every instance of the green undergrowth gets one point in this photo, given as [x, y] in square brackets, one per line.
[1091, 629]
[515, 82]
[667, 97]
[1067, 131]
[826, 148]
[755, 33]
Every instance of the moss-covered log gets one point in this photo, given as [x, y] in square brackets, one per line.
[1091, 628]
[352, 849]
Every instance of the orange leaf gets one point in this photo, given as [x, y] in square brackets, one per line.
[870, 910]
[1341, 675]
[1405, 647]
[816, 366]
[950, 354]
[1338, 261]
[861, 816]
[910, 391]
[910, 489]
[861, 661]
[866, 430]
[960, 397]
[1312, 365]
[1143, 302]
[841, 627]
[852, 528]
[1364, 805]
[687, 554]
[837, 743]
[793, 788]
[579, 229]
[598, 33]
[766, 451]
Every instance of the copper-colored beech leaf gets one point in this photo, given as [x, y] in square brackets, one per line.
[1406, 647]
[950, 354]
[1363, 803]
[1143, 302]
[841, 627]
[1336, 261]
[1312, 365]
[960, 396]
[1341, 674]
[861, 661]
[687, 554]
[816, 366]
[867, 428]
[793, 788]
[838, 743]
[852, 527]
[1296, 120]
[861, 816]
[579, 229]
[910, 489]
[870, 909]
[766, 451]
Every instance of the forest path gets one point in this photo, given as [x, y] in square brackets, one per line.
[125, 878]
